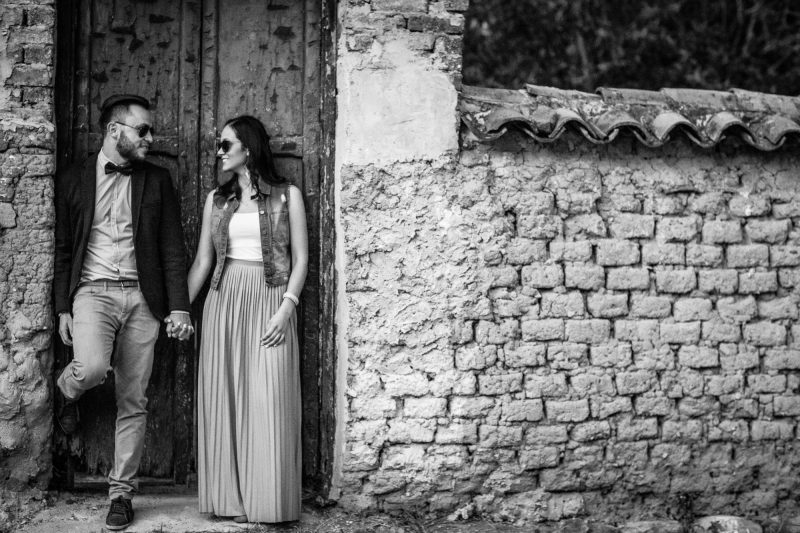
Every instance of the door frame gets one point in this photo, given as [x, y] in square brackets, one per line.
[70, 118]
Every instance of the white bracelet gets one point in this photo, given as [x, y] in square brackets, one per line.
[292, 297]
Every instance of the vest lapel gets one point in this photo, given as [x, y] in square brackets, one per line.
[137, 190]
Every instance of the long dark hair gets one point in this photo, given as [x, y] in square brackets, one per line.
[254, 138]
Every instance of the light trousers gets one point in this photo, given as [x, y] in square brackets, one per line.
[114, 321]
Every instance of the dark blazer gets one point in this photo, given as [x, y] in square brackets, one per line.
[157, 235]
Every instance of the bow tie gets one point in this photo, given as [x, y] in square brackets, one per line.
[111, 168]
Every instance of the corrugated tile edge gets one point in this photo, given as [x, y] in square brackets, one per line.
[764, 121]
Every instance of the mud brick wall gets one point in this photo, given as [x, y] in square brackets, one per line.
[540, 333]
[27, 165]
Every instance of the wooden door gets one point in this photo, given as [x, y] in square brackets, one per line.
[200, 63]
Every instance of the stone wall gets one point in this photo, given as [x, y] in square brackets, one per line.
[542, 332]
[27, 165]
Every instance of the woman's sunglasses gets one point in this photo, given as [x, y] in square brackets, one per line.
[142, 130]
[225, 145]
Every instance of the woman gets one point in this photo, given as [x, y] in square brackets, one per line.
[248, 460]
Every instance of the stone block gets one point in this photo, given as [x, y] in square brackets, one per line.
[538, 435]
[764, 334]
[521, 354]
[722, 232]
[757, 282]
[539, 226]
[561, 305]
[499, 436]
[543, 330]
[591, 384]
[610, 355]
[680, 333]
[636, 382]
[471, 407]
[786, 406]
[715, 331]
[636, 330]
[770, 231]
[722, 385]
[545, 386]
[521, 251]
[523, 411]
[688, 309]
[456, 5]
[718, 281]
[408, 431]
[577, 251]
[704, 255]
[779, 308]
[567, 355]
[629, 226]
[581, 227]
[711, 203]
[8, 216]
[496, 332]
[590, 431]
[608, 305]
[456, 433]
[637, 429]
[626, 278]
[782, 359]
[782, 256]
[602, 408]
[372, 408]
[677, 228]
[492, 384]
[771, 430]
[424, 407]
[414, 384]
[747, 255]
[676, 281]
[682, 430]
[789, 277]
[659, 253]
[427, 23]
[753, 205]
[698, 357]
[591, 331]
[31, 75]
[766, 383]
[738, 310]
[400, 6]
[613, 252]
[539, 457]
[542, 276]
[729, 430]
[584, 276]
[697, 407]
[502, 276]
[567, 411]
[475, 357]
[650, 306]
[359, 457]
[653, 405]
[562, 505]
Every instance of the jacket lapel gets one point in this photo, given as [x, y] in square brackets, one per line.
[89, 190]
[137, 190]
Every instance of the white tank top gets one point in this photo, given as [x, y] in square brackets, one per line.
[244, 237]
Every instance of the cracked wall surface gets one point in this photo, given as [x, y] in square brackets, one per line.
[27, 165]
[540, 332]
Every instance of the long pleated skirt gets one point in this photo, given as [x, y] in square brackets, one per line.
[249, 454]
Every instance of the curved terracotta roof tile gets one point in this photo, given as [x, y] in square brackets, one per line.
[705, 117]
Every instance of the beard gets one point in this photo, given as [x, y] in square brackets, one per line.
[130, 150]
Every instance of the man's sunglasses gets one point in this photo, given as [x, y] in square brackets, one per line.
[142, 130]
[225, 145]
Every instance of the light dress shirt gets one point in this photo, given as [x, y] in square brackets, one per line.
[110, 254]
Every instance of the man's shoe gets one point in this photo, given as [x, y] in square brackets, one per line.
[120, 515]
[68, 416]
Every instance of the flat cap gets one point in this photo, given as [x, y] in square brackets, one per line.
[117, 99]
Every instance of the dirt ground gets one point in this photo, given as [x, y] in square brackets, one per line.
[177, 513]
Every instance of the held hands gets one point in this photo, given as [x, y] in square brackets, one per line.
[179, 326]
[275, 332]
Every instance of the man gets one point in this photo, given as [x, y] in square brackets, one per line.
[119, 270]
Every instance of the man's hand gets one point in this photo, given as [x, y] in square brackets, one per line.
[179, 326]
[65, 328]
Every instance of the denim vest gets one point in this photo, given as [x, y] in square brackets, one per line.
[273, 220]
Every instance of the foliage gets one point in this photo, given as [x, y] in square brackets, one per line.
[645, 44]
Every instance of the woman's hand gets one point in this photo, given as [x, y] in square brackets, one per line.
[275, 332]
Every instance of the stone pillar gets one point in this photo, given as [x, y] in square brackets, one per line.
[27, 165]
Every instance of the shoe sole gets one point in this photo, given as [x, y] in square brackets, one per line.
[118, 528]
